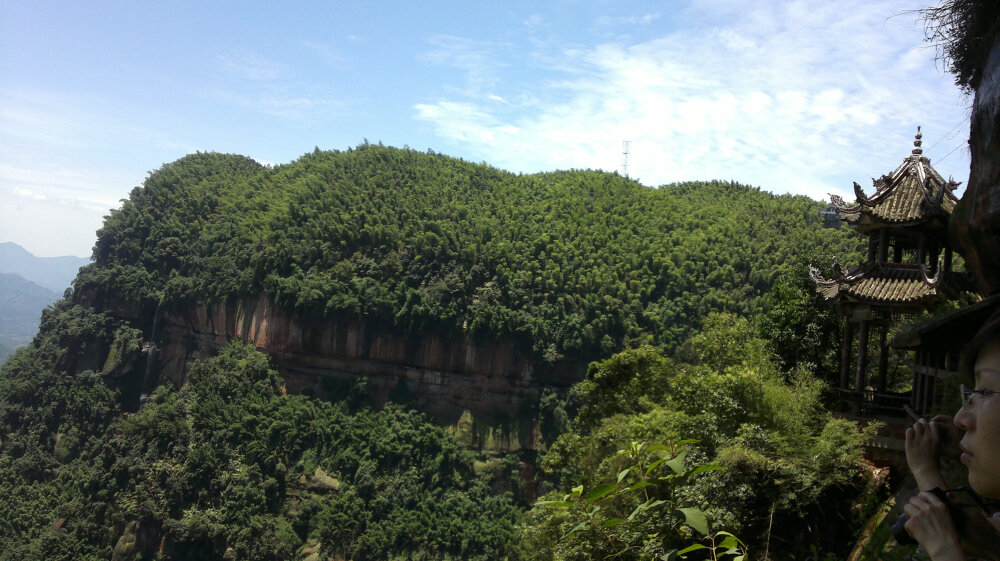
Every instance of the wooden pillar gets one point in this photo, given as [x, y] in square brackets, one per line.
[921, 250]
[897, 253]
[872, 248]
[859, 374]
[947, 260]
[883, 358]
[845, 353]
[929, 388]
[883, 245]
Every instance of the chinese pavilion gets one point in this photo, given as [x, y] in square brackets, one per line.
[908, 268]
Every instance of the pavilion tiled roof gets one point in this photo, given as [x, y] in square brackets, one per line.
[891, 283]
[914, 192]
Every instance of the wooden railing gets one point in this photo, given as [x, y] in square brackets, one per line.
[869, 403]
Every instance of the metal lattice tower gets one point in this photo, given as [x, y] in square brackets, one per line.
[626, 144]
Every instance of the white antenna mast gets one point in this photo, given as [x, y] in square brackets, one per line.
[626, 144]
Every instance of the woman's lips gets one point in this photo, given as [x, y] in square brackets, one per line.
[966, 455]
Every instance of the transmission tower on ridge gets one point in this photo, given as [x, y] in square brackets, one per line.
[626, 144]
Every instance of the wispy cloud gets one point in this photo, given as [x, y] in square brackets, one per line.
[479, 60]
[249, 65]
[793, 97]
[327, 53]
[534, 20]
[644, 19]
[286, 102]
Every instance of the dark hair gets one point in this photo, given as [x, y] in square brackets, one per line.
[989, 331]
[963, 32]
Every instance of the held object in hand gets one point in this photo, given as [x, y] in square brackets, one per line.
[954, 510]
[899, 528]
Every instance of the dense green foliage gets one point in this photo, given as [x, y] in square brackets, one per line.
[792, 472]
[574, 263]
[226, 466]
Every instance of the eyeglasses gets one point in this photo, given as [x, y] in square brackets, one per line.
[967, 394]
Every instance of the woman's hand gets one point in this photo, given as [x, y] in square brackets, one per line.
[948, 436]
[930, 524]
[922, 446]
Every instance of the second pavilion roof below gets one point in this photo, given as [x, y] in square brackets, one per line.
[892, 284]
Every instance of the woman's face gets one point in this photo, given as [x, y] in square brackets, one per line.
[981, 423]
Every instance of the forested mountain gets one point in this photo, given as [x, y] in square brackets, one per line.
[683, 296]
[570, 263]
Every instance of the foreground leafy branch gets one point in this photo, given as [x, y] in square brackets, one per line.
[648, 479]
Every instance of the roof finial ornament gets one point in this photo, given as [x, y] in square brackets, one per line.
[917, 150]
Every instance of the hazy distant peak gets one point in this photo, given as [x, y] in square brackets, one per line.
[53, 273]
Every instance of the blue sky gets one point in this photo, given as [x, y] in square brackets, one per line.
[799, 96]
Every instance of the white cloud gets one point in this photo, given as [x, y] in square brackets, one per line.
[790, 96]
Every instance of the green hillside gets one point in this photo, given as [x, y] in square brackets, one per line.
[571, 263]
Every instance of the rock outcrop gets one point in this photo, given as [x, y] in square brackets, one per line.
[493, 383]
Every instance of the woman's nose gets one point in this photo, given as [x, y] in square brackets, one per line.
[965, 420]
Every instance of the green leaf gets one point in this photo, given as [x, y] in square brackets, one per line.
[654, 465]
[669, 556]
[657, 448]
[575, 529]
[637, 510]
[612, 522]
[677, 462]
[601, 490]
[622, 474]
[696, 519]
[638, 486]
[578, 490]
[691, 548]
[688, 441]
[730, 542]
[564, 504]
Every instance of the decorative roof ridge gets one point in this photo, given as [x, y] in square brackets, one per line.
[929, 281]
[931, 198]
[858, 274]
[860, 194]
[914, 164]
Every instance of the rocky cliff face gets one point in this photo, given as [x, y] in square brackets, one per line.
[485, 391]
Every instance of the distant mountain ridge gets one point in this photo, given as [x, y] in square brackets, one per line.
[21, 305]
[53, 273]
